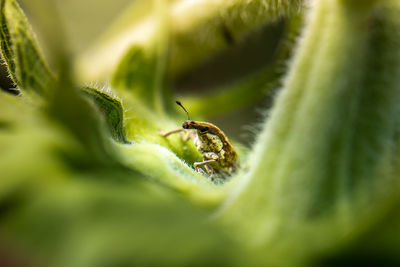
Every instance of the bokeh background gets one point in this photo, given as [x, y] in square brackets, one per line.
[85, 23]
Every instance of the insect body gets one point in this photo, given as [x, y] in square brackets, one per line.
[219, 156]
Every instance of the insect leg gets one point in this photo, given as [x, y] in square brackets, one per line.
[198, 164]
[200, 170]
[210, 155]
[165, 134]
[209, 170]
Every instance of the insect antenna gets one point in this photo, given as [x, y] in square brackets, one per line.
[180, 104]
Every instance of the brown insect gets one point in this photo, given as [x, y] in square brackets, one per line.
[219, 156]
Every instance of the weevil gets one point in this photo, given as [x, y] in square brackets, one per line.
[219, 155]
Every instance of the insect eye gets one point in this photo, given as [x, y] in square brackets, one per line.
[185, 125]
[204, 130]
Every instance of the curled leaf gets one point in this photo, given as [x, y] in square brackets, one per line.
[21, 52]
[112, 110]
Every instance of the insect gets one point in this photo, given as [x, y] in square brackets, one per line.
[219, 156]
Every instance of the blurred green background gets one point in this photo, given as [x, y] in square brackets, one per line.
[88, 22]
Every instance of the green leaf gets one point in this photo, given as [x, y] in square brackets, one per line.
[112, 110]
[164, 166]
[325, 159]
[20, 50]
[253, 88]
[95, 224]
[198, 32]
[62, 100]
[57, 209]
[136, 73]
[79, 117]
[142, 124]
[35, 151]
[142, 70]
[241, 94]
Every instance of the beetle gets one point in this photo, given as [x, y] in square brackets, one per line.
[219, 155]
